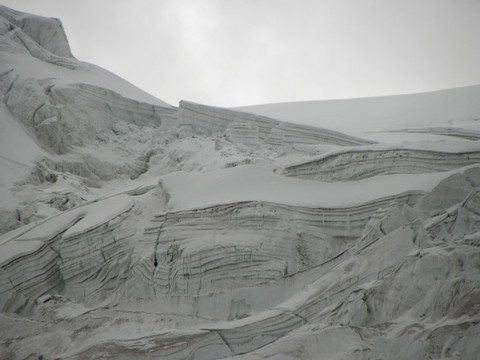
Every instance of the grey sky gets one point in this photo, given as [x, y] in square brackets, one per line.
[242, 52]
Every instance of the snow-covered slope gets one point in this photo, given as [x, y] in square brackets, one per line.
[55, 110]
[132, 229]
[443, 111]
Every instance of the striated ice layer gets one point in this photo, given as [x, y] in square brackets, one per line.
[470, 134]
[361, 164]
[367, 293]
[78, 253]
[250, 129]
[73, 115]
[78, 125]
[150, 232]
[370, 294]
[46, 32]
[44, 38]
[238, 245]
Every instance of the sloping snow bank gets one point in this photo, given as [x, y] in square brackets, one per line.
[250, 182]
[457, 107]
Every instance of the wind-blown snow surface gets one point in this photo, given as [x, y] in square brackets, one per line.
[131, 229]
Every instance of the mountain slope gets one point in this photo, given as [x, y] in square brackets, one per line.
[134, 229]
[445, 109]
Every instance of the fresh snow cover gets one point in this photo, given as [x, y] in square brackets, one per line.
[444, 108]
[80, 219]
[84, 73]
[129, 228]
[16, 248]
[15, 161]
[190, 190]
[69, 223]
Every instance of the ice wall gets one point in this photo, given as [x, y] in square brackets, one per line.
[249, 128]
[375, 252]
[361, 164]
[46, 32]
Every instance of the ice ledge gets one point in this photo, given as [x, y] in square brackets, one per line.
[71, 223]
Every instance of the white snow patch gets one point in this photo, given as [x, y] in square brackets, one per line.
[18, 151]
[453, 107]
[100, 212]
[11, 249]
[251, 182]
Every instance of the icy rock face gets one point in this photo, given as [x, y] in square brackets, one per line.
[147, 232]
[42, 38]
[48, 33]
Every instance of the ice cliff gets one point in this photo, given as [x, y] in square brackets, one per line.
[132, 229]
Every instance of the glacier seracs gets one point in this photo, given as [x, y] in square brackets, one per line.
[134, 229]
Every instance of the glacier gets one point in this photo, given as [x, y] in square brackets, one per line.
[134, 229]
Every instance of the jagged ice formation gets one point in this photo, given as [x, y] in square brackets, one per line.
[134, 229]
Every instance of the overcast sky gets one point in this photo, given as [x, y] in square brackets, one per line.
[245, 52]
